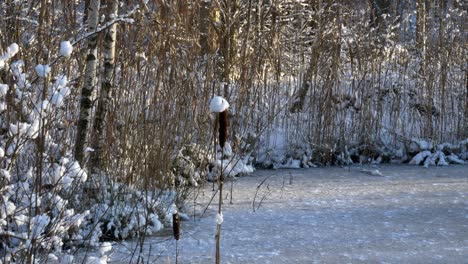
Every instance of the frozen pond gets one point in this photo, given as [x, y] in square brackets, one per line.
[327, 215]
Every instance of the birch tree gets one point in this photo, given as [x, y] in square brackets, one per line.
[106, 85]
[90, 81]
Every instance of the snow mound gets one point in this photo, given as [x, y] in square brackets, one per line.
[218, 104]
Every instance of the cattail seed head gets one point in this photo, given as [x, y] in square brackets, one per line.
[176, 225]
[223, 125]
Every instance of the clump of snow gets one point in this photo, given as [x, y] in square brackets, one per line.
[454, 159]
[5, 174]
[442, 161]
[2, 152]
[59, 90]
[42, 70]
[234, 166]
[420, 157]
[3, 90]
[431, 160]
[43, 107]
[3, 106]
[51, 258]
[424, 145]
[228, 149]
[219, 218]
[105, 247]
[66, 49]
[10, 52]
[218, 104]
[290, 164]
[39, 224]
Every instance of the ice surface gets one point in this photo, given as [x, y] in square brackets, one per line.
[218, 104]
[327, 215]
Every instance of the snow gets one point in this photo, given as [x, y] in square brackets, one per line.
[10, 52]
[219, 218]
[442, 161]
[290, 164]
[454, 159]
[372, 172]
[420, 157]
[105, 247]
[2, 152]
[234, 167]
[218, 104]
[5, 174]
[42, 107]
[7, 207]
[51, 258]
[12, 49]
[67, 259]
[39, 224]
[42, 70]
[328, 215]
[3, 90]
[74, 171]
[66, 49]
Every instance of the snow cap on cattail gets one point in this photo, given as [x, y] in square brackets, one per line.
[176, 225]
[218, 104]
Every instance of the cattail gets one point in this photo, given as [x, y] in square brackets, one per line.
[223, 125]
[176, 225]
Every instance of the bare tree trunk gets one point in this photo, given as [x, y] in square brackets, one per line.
[106, 86]
[90, 80]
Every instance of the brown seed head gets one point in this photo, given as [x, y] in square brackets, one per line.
[223, 125]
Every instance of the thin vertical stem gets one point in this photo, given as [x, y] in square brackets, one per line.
[220, 209]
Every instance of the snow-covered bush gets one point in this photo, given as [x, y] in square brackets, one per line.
[39, 179]
[124, 213]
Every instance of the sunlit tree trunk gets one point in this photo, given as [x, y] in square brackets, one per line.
[90, 80]
[106, 85]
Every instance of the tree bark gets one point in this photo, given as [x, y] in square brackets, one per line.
[90, 80]
[106, 86]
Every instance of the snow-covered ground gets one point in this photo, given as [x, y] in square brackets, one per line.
[327, 215]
